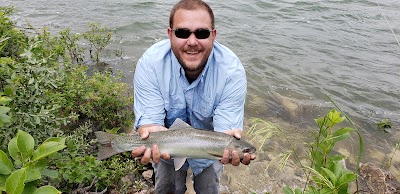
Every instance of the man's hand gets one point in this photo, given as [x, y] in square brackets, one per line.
[233, 154]
[153, 152]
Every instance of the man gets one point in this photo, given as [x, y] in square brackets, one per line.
[194, 78]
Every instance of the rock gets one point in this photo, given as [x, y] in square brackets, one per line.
[293, 109]
[147, 175]
[373, 180]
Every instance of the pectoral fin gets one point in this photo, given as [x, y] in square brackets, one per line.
[178, 163]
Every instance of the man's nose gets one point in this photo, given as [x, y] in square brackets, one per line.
[192, 40]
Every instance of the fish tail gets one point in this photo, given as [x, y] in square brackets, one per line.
[105, 138]
[105, 149]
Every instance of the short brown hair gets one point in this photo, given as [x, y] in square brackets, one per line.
[191, 5]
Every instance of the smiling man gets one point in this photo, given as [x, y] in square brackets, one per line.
[192, 77]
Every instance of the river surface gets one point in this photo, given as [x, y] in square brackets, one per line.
[295, 53]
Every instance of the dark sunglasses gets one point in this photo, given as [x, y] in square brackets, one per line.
[185, 33]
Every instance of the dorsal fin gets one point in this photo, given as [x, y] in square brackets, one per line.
[179, 124]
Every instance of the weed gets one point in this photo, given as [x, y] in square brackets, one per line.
[325, 169]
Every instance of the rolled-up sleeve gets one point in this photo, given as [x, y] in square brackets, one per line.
[230, 111]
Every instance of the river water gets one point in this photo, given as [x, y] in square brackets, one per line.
[295, 53]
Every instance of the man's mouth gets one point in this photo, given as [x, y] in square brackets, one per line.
[192, 52]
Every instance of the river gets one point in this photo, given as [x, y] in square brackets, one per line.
[295, 53]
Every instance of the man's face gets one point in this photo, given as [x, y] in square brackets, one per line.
[191, 52]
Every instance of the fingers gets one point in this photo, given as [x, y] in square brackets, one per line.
[230, 157]
[146, 156]
[235, 158]
[165, 156]
[246, 159]
[144, 133]
[138, 151]
[225, 157]
[156, 154]
[237, 133]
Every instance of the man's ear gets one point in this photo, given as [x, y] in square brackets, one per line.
[214, 33]
[169, 30]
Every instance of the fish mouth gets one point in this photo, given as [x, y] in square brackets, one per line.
[250, 151]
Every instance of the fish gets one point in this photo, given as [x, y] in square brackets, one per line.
[180, 141]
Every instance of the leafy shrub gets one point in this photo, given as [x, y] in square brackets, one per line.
[50, 92]
[52, 95]
[29, 164]
[99, 37]
[77, 167]
[11, 40]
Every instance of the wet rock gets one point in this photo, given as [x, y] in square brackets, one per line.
[373, 180]
[147, 175]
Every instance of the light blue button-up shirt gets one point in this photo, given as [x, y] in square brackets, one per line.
[214, 101]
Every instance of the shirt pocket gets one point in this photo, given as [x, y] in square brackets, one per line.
[204, 106]
[174, 113]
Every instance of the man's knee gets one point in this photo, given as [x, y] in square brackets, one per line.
[208, 180]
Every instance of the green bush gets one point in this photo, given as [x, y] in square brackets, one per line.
[11, 40]
[52, 94]
[45, 91]
[23, 175]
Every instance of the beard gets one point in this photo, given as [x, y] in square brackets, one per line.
[196, 68]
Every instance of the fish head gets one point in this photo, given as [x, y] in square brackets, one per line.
[243, 146]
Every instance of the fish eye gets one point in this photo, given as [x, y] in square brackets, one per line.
[246, 150]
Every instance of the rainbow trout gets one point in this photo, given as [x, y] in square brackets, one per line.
[181, 141]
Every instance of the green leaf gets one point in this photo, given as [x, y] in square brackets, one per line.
[298, 191]
[321, 177]
[346, 179]
[13, 149]
[320, 122]
[4, 100]
[48, 147]
[341, 134]
[343, 131]
[4, 109]
[3, 179]
[15, 182]
[331, 175]
[25, 144]
[50, 173]
[47, 190]
[334, 117]
[29, 188]
[287, 190]
[6, 166]
[36, 165]
[33, 170]
[336, 158]
[8, 91]
[32, 175]
[337, 170]
[326, 190]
